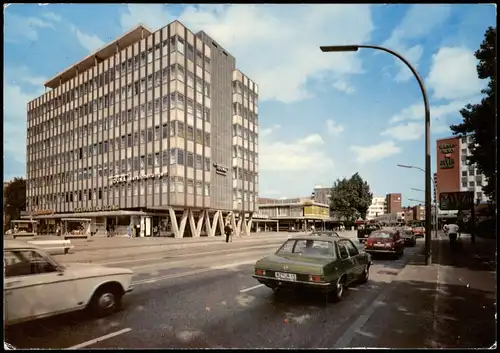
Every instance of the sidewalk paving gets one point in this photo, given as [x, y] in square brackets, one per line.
[450, 304]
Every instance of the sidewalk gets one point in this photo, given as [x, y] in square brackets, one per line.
[450, 304]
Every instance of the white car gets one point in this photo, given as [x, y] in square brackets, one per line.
[36, 286]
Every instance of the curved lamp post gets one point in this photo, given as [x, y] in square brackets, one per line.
[428, 177]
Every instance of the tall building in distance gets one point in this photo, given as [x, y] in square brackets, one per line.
[377, 208]
[393, 203]
[157, 130]
[454, 173]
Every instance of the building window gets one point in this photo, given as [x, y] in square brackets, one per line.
[164, 185]
[190, 186]
[190, 133]
[207, 189]
[190, 159]
[199, 162]
[180, 157]
[464, 139]
[179, 185]
[479, 195]
[173, 156]
[199, 188]
[471, 184]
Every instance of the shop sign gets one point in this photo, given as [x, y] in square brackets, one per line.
[219, 169]
[447, 148]
[127, 178]
[447, 163]
[42, 212]
[96, 208]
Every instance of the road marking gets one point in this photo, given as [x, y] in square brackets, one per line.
[184, 255]
[190, 273]
[251, 288]
[100, 339]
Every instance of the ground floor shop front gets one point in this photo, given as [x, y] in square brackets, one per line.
[168, 222]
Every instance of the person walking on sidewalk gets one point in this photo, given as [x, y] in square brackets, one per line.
[228, 230]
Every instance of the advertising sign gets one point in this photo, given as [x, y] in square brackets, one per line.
[447, 149]
[459, 200]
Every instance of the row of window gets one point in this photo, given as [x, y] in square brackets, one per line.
[177, 128]
[176, 101]
[240, 88]
[177, 72]
[143, 58]
[151, 187]
[247, 134]
[239, 109]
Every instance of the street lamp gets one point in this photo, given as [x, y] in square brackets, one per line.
[435, 203]
[428, 222]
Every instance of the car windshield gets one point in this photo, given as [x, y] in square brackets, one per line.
[328, 234]
[381, 235]
[307, 247]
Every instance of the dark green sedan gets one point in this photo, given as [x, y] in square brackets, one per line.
[324, 263]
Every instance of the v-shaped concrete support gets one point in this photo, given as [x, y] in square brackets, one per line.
[178, 230]
[217, 220]
[196, 225]
[247, 225]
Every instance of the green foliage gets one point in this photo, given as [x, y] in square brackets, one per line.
[479, 120]
[350, 198]
[14, 200]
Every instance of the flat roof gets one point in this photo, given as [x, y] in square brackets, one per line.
[124, 41]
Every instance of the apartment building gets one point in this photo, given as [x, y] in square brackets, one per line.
[393, 203]
[377, 208]
[157, 130]
[454, 173]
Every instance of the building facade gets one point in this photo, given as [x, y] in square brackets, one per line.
[454, 173]
[378, 207]
[157, 130]
[393, 203]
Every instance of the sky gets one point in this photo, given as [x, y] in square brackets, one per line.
[323, 116]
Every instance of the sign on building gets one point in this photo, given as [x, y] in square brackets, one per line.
[458, 200]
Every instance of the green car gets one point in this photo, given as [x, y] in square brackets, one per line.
[324, 263]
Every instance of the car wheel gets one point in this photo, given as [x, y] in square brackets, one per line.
[365, 275]
[106, 300]
[338, 292]
[276, 290]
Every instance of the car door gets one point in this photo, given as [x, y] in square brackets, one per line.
[35, 287]
[398, 242]
[347, 264]
[355, 255]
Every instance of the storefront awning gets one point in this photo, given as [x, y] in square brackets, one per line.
[91, 214]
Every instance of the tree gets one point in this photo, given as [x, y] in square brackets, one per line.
[350, 198]
[14, 200]
[479, 120]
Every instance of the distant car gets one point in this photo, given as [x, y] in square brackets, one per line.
[365, 231]
[408, 237]
[327, 233]
[37, 286]
[418, 231]
[324, 263]
[385, 242]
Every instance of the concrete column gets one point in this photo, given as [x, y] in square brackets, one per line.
[196, 225]
[277, 226]
[178, 229]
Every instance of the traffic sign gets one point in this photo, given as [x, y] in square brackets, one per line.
[458, 200]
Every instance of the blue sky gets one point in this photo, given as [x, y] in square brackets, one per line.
[323, 116]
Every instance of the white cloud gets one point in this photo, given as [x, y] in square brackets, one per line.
[18, 27]
[418, 21]
[374, 153]
[22, 75]
[343, 86]
[15, 117]
[333, 128]
[289, 36]
[305, 154]
[268, 131]
[52, 16]
[91, 42]
[453, 74]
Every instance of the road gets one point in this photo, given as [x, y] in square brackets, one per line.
[203, 296]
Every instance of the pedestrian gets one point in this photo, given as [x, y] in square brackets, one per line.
[228, 230]
[108, 230]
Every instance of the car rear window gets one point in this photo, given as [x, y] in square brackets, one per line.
[381, 235]
[309, 248]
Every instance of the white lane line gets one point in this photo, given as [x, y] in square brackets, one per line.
[251, 288]
[191, 273]
[100, 339]
[185, 255]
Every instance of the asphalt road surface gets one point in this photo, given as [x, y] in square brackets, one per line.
[205, 297]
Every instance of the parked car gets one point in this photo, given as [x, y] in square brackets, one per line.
[365, 231]
[408, 237]
[326, 264]
[385, 242]
[418, 231]
[37, 286]
[327, 233]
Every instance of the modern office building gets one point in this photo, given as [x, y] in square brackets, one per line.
[377, 208]
[454, 173]
[393, 203]
[157, 130]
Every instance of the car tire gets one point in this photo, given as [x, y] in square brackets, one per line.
[106, 300]
[336, 294]
[276, 290]
[363, 278]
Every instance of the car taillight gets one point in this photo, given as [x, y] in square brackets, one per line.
[315, 278]
[260, 272]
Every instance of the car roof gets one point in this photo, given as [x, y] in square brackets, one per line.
[323, 232]
[16, 244]
[318, 238]
[391, 231]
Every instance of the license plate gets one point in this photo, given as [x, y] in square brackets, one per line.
[366, 235]
[288, 276]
